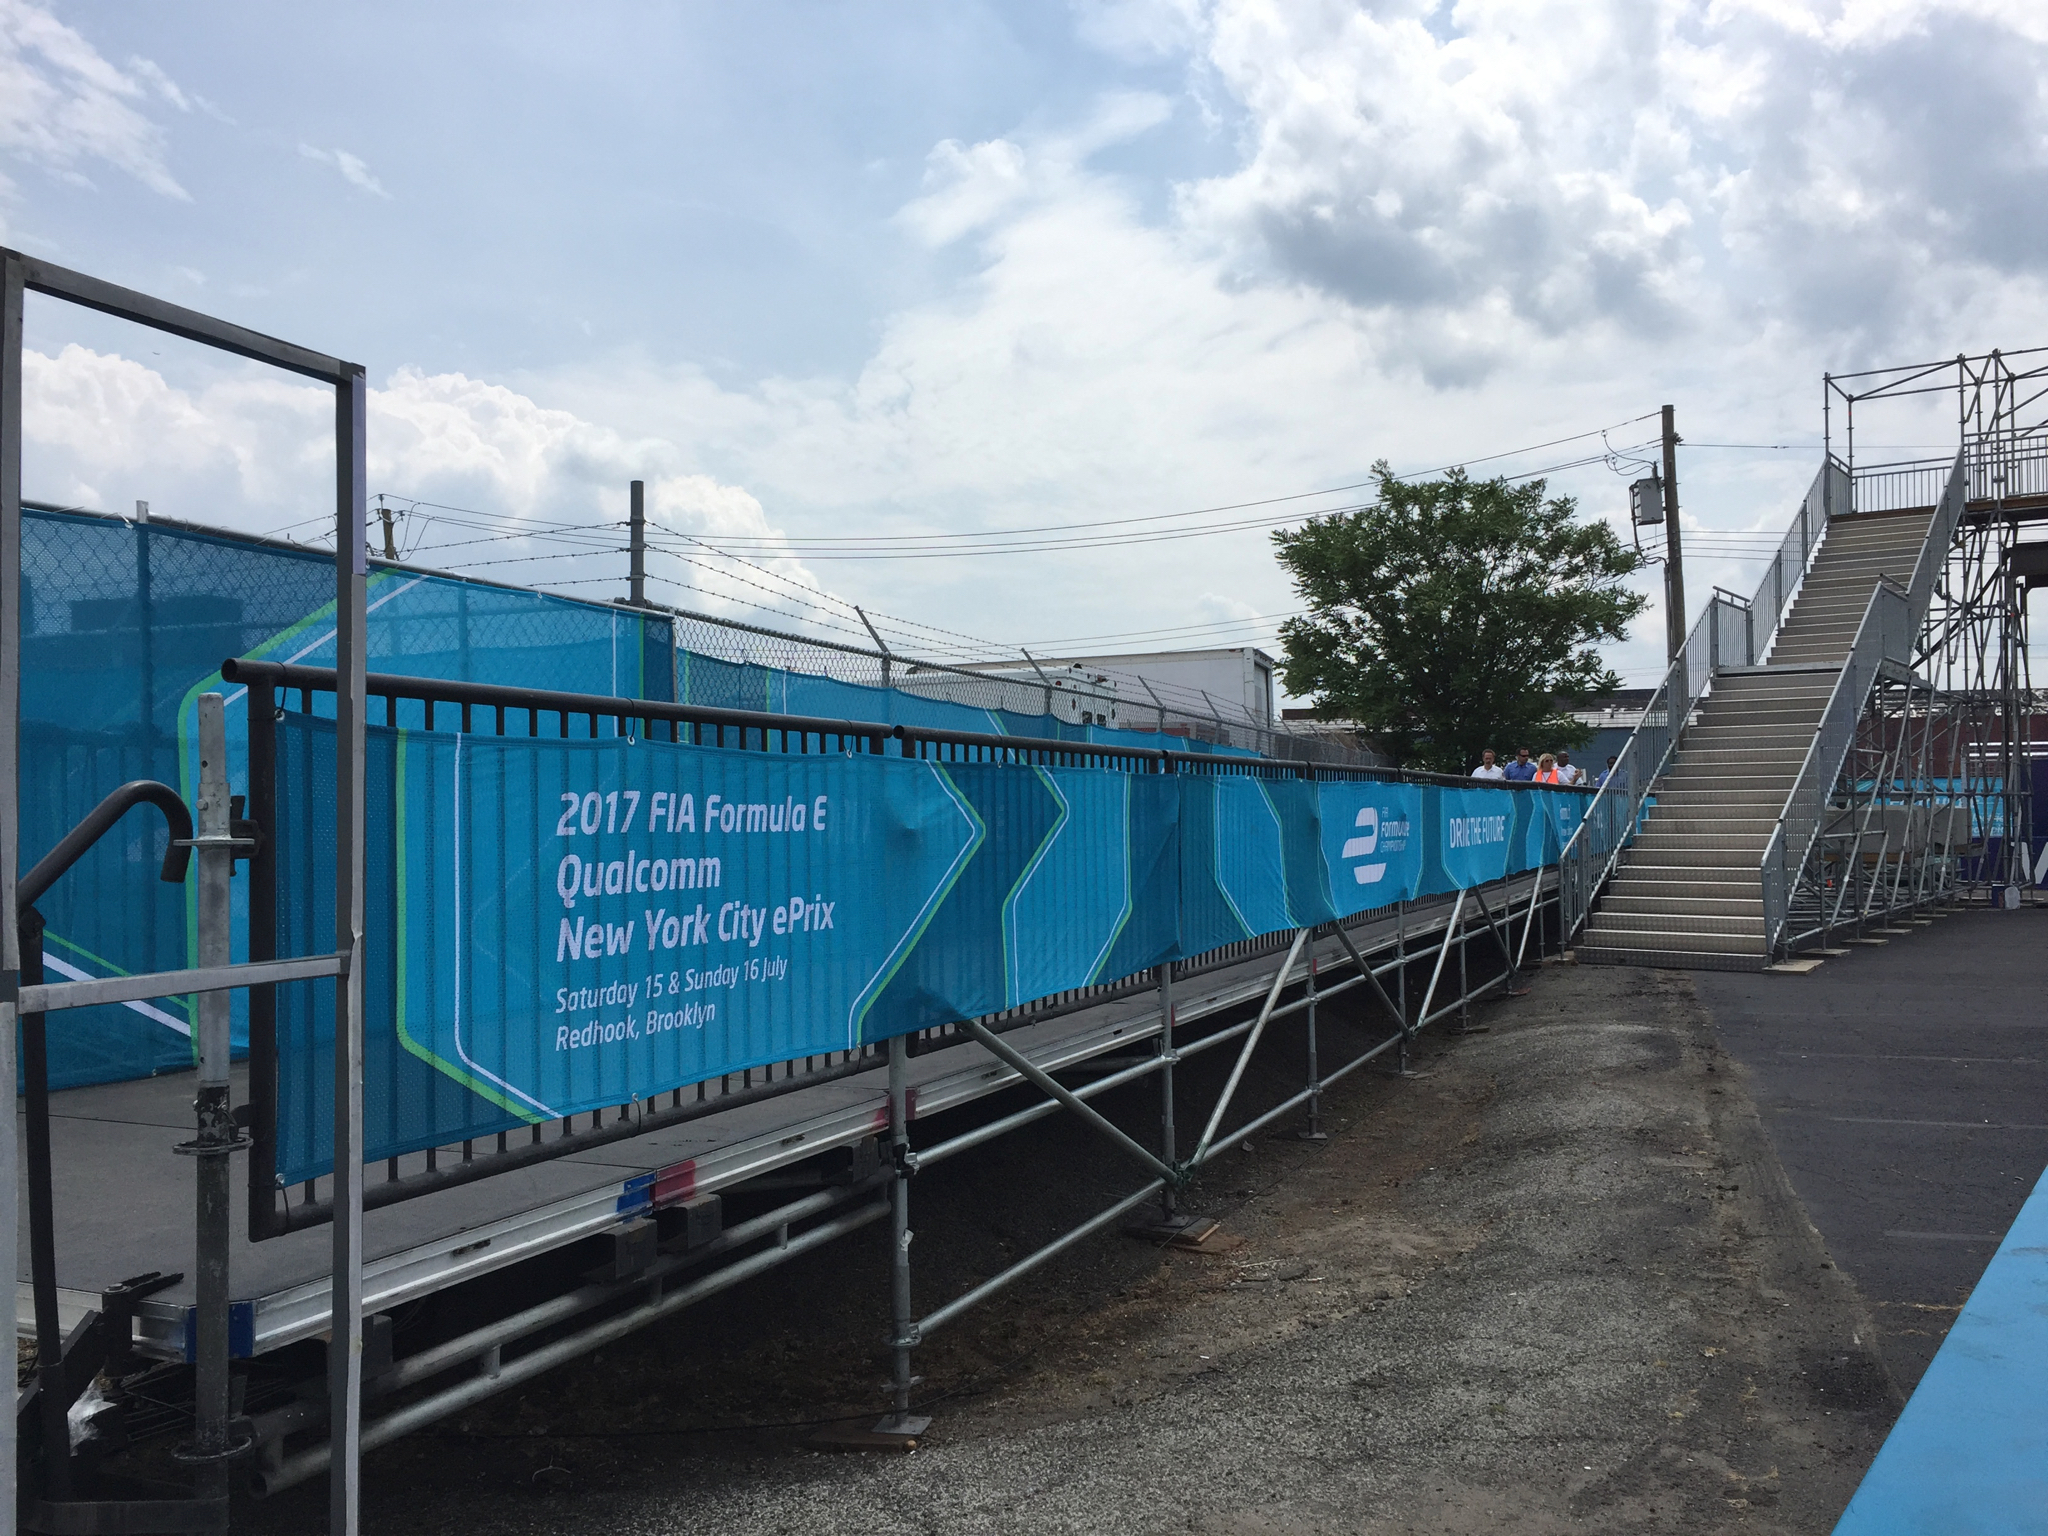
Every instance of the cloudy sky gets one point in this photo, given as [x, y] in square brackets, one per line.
[826, 275]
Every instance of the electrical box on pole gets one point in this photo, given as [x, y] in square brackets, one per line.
[1674, 561]
[1646, 501]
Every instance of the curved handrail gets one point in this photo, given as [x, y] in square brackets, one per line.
[72, 846]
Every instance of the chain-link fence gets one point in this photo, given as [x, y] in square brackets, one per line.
[732, 664]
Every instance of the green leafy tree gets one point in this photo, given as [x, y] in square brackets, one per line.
[1454, 615]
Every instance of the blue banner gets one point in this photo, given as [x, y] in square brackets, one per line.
[562, 925]
[1371, 843]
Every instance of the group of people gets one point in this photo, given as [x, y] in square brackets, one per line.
[1550, 768]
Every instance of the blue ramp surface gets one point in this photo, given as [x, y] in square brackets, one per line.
[1969, 1456]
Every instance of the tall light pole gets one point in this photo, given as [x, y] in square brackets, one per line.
[1674, 564]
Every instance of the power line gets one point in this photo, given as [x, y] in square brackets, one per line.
[1131, 634]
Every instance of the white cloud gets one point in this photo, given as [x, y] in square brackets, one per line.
[1449, 231]
[147, 70]
[63, 106]
[255, 451]
[1445, 231]
[353, 170]
[1140, 30]
[968, 188]
[1520, 169]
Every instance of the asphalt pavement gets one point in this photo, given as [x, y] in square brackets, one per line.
[1905, 1087]
[1553, 1282]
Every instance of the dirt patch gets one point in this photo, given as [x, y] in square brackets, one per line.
[1554, 1280]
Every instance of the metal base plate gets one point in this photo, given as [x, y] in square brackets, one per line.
[1196, 1234]
[898, 1432]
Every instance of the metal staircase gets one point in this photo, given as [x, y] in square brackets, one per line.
[1726, 836]
[1689, 891]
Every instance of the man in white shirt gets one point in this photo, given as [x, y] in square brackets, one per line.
[1488, 768]
[1567, 772]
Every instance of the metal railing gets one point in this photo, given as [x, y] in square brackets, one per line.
[1830, 495]
[1730, 633]
[275, 687]
[1902, 486]
[1887, 634]
[1999, 467]
[2007, 466]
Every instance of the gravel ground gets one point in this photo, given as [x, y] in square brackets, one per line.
[1555, 1281]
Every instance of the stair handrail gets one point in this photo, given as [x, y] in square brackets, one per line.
[119, 802]
[1829, 496]
[1725, 635]
[1887, 632]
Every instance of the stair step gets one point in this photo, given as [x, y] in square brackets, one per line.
[1811, 692]
[1775, 783]
[1668, 871]
[1679, 906]
[1701, 802]
[1655, 840]
[1679, 941]
[1686, 821]
[1684, 895]
[1719, 736]
[1606, 924]
[1717, 756]
[1664, 960]
[1761, 687]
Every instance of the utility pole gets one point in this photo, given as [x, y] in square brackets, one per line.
[384, 512]
[637, 545]
[1674, 562]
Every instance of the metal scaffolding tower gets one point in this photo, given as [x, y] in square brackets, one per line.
[1958, 734]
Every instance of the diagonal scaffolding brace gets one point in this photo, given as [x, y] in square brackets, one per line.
[1031, 1072]
[1251, 1042]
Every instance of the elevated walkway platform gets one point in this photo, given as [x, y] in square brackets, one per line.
[124, 1201]
[1970, 1452]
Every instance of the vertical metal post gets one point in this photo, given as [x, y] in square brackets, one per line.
[1464, 985]
[1315, 1074]
[262, 1192]
[345, 1336]
[1401, 977]
[637, 544]
[42, 1225]
[1041, 677]
[903, 1331]
[215, 1140]
[1674, 559]
[1167, 1151]
[12, 291]
[1156, 703]
[888, 656]
[1529, 920]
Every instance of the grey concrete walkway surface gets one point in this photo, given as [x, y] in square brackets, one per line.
[1554, 1282]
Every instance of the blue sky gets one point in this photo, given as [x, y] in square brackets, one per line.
[826, 270]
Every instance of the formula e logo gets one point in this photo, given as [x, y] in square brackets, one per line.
[1364, 846]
